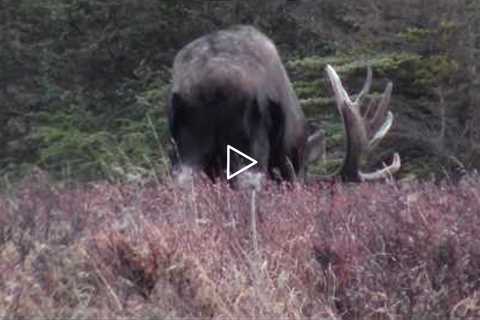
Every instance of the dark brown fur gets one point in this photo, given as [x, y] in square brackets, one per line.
[230, 87]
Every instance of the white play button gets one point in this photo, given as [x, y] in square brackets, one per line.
[251, 164]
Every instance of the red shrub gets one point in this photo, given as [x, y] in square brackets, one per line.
[326, 250]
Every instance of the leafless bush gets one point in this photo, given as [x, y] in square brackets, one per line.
[329, 251]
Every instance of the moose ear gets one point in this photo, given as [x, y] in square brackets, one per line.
[315, 146]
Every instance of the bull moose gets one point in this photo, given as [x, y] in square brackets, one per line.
[230, 87]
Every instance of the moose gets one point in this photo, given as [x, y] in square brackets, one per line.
[231, 87]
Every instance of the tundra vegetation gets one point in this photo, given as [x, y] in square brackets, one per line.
[92, 227]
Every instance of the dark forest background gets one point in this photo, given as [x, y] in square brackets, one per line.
[83, 83]
[83, 88]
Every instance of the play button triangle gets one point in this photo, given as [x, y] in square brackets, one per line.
[251, 164]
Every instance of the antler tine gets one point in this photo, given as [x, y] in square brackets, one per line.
[381, 132]
[341, 94]
[383, 173]
[366, 87]
[368, 112]
[382, 108]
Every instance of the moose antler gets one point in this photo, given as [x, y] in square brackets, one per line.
[363, 133]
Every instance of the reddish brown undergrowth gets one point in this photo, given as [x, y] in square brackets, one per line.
[365, 251]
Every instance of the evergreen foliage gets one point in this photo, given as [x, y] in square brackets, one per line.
[84, 82]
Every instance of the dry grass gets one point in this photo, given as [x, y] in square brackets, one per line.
[326, 251]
